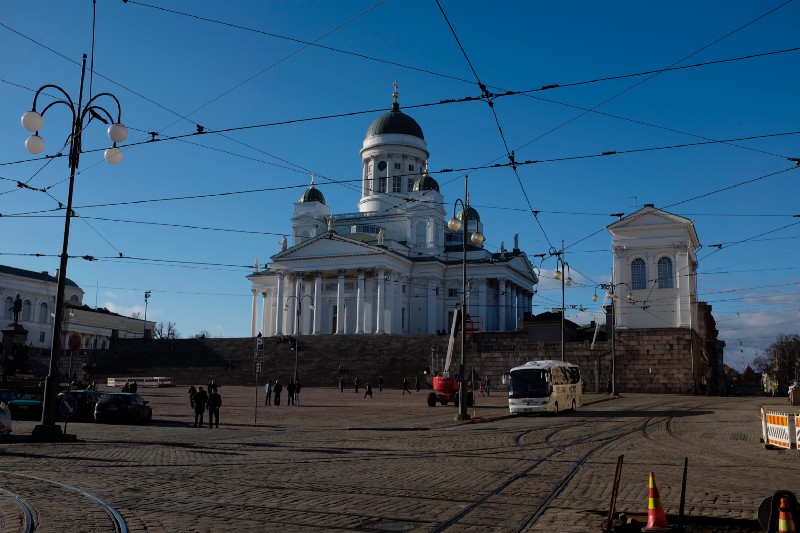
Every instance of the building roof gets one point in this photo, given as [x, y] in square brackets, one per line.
[426, 183]
[312, 194]
[395, 121]
[39, 276]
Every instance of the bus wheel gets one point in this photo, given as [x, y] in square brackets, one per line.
[432, 399]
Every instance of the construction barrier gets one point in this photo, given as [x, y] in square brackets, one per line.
[779, 428]
[141, 382]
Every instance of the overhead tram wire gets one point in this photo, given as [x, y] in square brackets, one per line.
[489, 99]
[653, 74]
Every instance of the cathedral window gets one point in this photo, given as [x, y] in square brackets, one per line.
[43, 313]
[665, 273]
[421, 231]
[26, 311]
[410, 184]
[397, 166]
[411, 168]
[397, 184]
[381, 185]
[41, 336]
[382, 166]
[638, 275]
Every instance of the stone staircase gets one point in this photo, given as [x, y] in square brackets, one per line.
[319, 361]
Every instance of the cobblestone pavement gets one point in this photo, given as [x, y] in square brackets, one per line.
[342, 462]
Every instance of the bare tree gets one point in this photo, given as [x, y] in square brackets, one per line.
[136, 315]
[166, 331]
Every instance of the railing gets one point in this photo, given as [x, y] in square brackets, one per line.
[141, 382]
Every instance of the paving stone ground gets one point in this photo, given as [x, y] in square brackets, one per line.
[342, 462]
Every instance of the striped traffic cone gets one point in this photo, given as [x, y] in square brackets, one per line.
[785, 520]
[656, 519]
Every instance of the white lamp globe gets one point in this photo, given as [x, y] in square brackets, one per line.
[113, 155]
[477, 238]
[34, 144]
[117, 133]
[32, 121]
[454, 224]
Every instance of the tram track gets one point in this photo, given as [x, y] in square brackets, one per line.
[28, 511]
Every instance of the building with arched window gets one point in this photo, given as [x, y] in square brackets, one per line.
[393, 266]
[655, 270]
[37, 291]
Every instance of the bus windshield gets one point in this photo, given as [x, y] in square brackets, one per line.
[529, 383]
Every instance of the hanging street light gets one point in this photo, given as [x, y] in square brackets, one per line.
[456, 224]
[611, 294]
[82, 116]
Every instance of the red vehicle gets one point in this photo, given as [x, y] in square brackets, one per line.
[446, 386]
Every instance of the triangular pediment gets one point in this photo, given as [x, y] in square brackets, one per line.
[653, 220]
[330, 249]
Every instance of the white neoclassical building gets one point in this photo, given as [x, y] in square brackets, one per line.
[37, 292]
[393, 267]
[655, 270]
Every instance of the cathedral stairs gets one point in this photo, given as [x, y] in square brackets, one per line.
[320, 361]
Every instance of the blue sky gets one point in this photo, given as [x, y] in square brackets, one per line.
[233, 65]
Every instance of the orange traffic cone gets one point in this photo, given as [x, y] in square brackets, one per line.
[656, 519]
[785, 520]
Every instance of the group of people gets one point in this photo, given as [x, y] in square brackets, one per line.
[130, 386]
[202, 400]
[274, 390]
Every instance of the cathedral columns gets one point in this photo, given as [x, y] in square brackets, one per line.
[265, 308]
[340, 302]
[254, 314]
[360, 302]
[483, 309]
[379, 315]
[501, 300]
[317, 309]
[279, 305]
[431, 305]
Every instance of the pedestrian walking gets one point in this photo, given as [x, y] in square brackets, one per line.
[487, 383]
[405, 387]
[192, 392]
[277, 392]
[416, 383]
[380, 383]
[268, 391]
[368, 390]
[200, 400]
[297, 393]
[214, 403]
[356, 382]
[341, 384]
[290, 393]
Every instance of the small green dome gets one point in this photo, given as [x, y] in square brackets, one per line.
[312, 194]
[395, 121]
[426, 183]
[473, 214]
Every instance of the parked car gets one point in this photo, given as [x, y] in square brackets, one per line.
[27, 406]
[86, 401]
[122, 407]
[6, 395]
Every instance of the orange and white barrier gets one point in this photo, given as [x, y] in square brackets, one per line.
[141, 382]
[779, 428]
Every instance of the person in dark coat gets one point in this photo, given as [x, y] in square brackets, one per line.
[405, 387]
[380, 383]
[368, 391]
[214, 403]
[277, 391]
[290, 393]
[200, 400]
[268, 391]
[297, 393]
[357, 383]
[341, 384]
[192, 392]
[416, 383]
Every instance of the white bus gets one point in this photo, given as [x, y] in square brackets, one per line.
[544, 386]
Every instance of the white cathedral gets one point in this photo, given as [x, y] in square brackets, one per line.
[393, 267]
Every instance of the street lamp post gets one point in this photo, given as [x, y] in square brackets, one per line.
[455, 224]
[299, 304]
[611, 294]
[146, 297]
[82, 116]
[566, 281]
